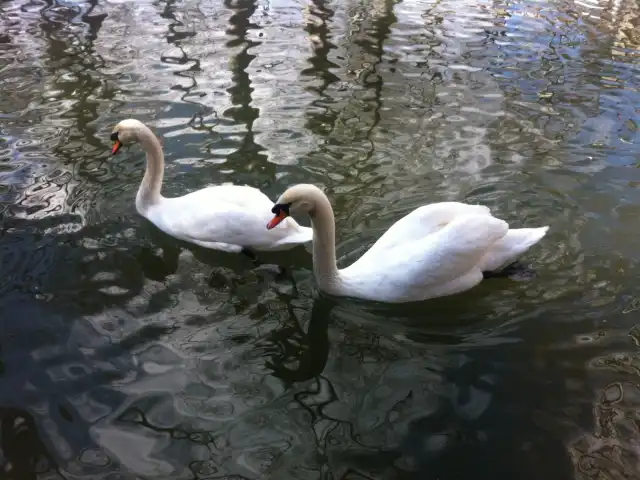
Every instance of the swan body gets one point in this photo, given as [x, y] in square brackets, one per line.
[225, 217]
[436, 250]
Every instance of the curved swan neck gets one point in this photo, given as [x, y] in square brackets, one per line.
[149, 191]
[325, 268]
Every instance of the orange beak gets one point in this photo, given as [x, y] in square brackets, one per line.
[116, 147]
[276, 220]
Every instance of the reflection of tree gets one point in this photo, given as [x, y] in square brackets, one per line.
[349, 121]
[70, 55]
[320, 38]
[413, 409]
[58, 285]
[249, 156]
[200, 469]
[69, 91]
[356, 407]
[88, 281]
[282, 346]
[175, 37]
[619, 20]
[554, 106]
[373, 47]
[51, 271]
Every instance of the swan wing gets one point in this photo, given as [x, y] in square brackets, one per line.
[438, 264]
[226, 217]
[422, 222]
[241, 195]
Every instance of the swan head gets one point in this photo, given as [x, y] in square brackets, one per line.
[299, 199]
[125, 133]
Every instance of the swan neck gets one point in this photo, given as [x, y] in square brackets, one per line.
[325, 268]
[149, 191]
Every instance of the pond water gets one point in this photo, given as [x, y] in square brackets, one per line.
[125, 355]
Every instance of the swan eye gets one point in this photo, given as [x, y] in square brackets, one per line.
[116, 143]
[281, 211]
[281, 207]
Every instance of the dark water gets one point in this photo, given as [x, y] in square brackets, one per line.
[121, 359]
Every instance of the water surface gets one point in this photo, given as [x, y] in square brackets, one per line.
[125, 355]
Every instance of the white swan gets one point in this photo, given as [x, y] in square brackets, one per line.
[436, 250]
[230, 218]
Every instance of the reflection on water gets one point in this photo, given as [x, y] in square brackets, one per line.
[121, 355]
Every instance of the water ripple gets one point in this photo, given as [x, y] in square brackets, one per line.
[128, 354]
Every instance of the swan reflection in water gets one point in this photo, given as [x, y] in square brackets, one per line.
[452, 411]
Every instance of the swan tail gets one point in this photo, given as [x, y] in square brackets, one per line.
[506, 250]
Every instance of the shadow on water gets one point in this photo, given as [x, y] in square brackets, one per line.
[456, 420]
[24, 455]
[62, 351]
[50, 281]
[158, 265]
[54, 273]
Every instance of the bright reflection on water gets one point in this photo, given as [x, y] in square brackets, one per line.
[124, 354]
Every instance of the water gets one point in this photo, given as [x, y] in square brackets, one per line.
[125, 355]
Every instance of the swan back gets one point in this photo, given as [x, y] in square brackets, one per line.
[422, 222]
[436, 264]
